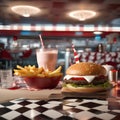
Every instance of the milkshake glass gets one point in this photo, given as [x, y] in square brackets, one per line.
[47, 58]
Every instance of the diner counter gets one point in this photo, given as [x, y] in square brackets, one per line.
[45, 94]
[6, 94]
[24, 104]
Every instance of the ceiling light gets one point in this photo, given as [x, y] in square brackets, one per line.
[97, 32]
[82, 14]
[25, 10]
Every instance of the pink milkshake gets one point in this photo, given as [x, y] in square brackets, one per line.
[47, 58]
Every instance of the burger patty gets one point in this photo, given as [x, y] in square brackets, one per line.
[96, 81]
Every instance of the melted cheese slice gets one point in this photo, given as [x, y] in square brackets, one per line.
[89, 78]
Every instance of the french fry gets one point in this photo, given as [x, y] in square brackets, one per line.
[19, 67]
[58, 70]
[32, 71]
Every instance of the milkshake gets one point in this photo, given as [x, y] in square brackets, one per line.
[47, 58]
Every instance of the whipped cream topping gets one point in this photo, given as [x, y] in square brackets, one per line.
[89, 78]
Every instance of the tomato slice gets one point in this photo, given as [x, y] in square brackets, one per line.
[78, 78]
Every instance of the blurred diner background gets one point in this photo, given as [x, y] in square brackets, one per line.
[96, 39]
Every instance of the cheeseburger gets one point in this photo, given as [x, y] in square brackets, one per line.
[85, 77]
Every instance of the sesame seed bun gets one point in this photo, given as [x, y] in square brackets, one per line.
[86, 68]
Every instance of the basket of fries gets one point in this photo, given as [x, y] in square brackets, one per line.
[39, 78]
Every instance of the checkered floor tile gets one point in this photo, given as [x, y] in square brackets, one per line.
[66, 109]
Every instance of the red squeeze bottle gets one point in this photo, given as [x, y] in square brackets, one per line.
[113, 76]
[118, 88]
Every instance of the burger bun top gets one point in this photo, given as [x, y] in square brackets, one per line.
[86, 68]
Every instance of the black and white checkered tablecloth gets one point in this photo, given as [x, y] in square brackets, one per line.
[65, 109]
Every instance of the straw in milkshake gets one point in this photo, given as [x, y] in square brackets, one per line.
[41, 41]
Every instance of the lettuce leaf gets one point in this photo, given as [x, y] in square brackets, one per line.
[104, 85]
